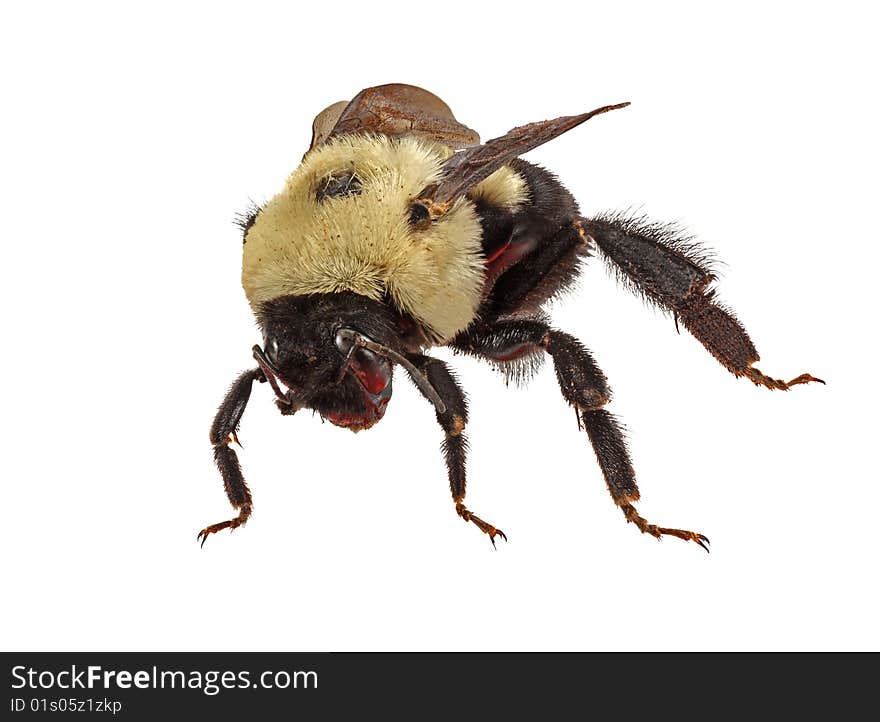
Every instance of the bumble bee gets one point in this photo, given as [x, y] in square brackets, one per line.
[398, 232]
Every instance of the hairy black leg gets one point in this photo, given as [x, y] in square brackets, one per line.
[223, 433]
[585, 387]
[453, 420]
[674, 273]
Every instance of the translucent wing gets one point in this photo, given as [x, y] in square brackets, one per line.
[468, 167]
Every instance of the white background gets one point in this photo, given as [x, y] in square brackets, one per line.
[131, 137]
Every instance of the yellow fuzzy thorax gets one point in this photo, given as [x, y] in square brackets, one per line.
[364, 242]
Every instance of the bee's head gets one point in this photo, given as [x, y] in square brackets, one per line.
[334, 352]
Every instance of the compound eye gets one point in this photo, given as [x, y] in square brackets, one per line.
[272, 349]
[343, 343]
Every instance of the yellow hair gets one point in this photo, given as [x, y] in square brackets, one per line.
[364, 242]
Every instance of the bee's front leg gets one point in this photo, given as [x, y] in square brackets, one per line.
[223, 433]
[453, 420]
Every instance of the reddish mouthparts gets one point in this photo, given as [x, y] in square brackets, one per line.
[373, 373]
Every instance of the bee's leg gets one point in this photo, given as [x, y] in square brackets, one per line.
[223, 433]
[453, 420]
[674, 273]
[585, 387]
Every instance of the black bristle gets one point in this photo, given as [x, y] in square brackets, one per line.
[246, 218]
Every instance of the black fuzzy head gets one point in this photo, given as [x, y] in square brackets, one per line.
[314, 346]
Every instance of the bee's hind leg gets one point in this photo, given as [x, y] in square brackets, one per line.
[675, 273]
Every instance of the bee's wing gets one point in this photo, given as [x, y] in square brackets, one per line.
[395, 109]
[324, 121]
[468, 167]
